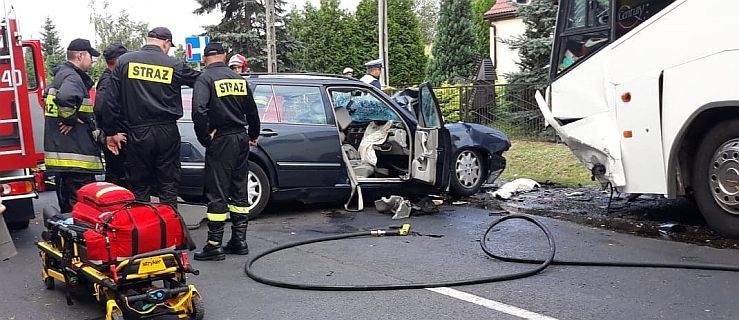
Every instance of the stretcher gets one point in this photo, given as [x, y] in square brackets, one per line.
[143, 286]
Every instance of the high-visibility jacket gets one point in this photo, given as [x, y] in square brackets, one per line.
[67, 101]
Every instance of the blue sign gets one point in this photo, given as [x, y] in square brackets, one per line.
[194, 47]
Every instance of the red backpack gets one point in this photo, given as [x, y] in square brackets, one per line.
[120, 227]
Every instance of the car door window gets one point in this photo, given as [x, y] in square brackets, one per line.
[300, 105]
[362, 105]
[269, 110]
[429, 110]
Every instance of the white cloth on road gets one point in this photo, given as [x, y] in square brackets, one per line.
[516, 186]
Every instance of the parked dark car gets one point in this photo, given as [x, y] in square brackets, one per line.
[322, 136]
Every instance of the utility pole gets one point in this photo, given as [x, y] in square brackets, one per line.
[271, 37]
[382, 27]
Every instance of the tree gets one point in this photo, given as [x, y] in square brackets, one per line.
[482, 26]
[406, 49]
[405, 42]
[427, 12]
[455, 52]
[535, 45]
[51, 48]
[244, 29]
[328, 38]
[111, 29]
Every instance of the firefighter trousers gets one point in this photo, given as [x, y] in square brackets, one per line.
[67, 184]
[153, 162]
[115, 167]
[226, 172]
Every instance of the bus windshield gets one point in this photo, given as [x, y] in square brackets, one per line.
[586, 26]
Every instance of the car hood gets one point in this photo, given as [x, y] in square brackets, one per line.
[472, 134]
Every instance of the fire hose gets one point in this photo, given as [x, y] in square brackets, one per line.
[404, 231]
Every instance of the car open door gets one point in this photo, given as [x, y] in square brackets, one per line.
[431, 142]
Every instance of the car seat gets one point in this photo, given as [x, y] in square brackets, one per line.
[361, 169]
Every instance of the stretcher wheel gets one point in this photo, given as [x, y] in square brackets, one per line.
[49, 282]
[198, 309]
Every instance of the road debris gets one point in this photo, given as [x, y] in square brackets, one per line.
[671, 228]
[520, 185]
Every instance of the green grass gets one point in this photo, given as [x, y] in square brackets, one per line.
[543, 161]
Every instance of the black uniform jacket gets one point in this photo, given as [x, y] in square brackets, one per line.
[145, 89]
[222, 100]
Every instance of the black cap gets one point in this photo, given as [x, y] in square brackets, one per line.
[213, 48]
[83, 45]
[161, 33]
[113, 51]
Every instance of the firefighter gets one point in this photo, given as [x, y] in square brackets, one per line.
[70, 146]
[222, 105]
[144, 101]
[114, 167]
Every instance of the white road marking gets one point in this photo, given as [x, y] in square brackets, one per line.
[490, 304]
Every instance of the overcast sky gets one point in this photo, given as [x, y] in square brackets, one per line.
[72, 16]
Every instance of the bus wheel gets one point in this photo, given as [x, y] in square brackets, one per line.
[716, 177]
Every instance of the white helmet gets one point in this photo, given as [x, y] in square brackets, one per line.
[347, 70]
[237, 60]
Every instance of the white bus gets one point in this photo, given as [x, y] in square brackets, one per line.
[646, 94]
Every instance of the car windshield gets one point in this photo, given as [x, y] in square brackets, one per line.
[363, 106]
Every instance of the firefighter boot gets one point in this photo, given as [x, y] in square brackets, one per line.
[213, 250]
[237, 244]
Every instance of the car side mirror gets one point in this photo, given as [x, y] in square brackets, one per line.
[522, 2]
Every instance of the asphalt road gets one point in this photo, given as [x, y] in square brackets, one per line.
[557, 293]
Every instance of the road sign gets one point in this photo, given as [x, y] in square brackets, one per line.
[194, 48]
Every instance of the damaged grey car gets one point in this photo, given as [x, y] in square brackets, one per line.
[326, 139]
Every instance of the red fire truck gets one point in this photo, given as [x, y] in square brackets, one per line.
[22, 82]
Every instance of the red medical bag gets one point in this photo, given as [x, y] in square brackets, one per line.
[120, 227]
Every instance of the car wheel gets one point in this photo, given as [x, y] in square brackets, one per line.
[468, 171]
[716, 178]
[258, 190]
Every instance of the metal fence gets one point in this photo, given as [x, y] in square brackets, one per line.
[510, 108]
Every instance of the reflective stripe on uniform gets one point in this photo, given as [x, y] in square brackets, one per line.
[73, 160]
[66, 163]
[86, 107]
[216, 217]
[51, 108]
[238, 209]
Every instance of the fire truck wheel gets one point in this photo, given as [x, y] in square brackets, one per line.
[716, 177]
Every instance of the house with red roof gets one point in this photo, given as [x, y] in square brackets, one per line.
[505, 23]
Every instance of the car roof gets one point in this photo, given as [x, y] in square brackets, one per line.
[302, 78]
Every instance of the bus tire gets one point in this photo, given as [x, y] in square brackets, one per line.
[715, 174]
